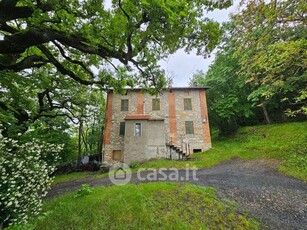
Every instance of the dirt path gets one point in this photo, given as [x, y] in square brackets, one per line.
[278, 201]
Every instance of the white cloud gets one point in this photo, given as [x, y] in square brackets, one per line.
[181, 65]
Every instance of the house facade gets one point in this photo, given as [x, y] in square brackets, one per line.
[140, 126]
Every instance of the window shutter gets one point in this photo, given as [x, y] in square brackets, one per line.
[124, 104]
[187, 103]
[155, 104]
[189, 127]
[122, 128]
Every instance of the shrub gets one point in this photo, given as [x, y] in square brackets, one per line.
[85, 190]
[135, 165]
[25, 180]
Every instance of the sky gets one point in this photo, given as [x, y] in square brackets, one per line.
[181, 66]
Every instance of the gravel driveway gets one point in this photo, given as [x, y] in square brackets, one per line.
[278, 201]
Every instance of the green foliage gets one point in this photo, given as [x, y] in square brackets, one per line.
[71, 176]
[259, 73]
[25, 178]
[56, 53]
[140, 206]
[283, 142]
[228, 106]
[135, 165]
[84, 191]
[271, 49]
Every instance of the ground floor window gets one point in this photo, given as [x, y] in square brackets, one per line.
[138, 129]
[117, 155]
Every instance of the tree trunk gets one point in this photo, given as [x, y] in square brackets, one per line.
[84, 136]
[80, 142]
[99, 143]
[266, 114]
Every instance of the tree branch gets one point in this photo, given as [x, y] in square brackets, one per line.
[65, 71]
[26, 63]
[122, 9]
[73, 61]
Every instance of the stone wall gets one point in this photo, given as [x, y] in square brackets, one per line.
[173, 126]
[149, 145]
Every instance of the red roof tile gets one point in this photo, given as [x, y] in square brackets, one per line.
[138, 117]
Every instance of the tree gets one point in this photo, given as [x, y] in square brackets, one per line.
[228, 106]
[270, 41]
[260, 66]
[47, 45]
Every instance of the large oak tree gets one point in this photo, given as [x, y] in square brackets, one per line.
[46, 45]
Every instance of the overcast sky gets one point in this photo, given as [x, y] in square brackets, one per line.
[181, 66]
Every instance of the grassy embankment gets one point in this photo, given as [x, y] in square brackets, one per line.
[285, 142]
[142, 206]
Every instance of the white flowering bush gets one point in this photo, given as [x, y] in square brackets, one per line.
[25, 171]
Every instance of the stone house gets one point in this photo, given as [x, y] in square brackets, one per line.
[140, 126]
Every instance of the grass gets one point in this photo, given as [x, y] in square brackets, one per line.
[71, 176]
[285, 142]
[77, 176]
[142, 206]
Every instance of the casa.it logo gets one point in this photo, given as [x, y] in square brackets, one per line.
[120, 174]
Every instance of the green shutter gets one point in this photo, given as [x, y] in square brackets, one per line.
[189, 127]
[187, 104]
[155, 104]
[122, 128]
[124, 104]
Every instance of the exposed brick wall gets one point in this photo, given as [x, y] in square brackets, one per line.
[108, 124]
[204, 114]
[172, 117]
[140, 103]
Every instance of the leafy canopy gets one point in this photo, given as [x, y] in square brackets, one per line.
[49, 50]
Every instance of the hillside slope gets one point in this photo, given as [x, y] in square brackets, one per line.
[286, 142]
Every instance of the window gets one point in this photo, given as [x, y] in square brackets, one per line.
[117, 155]
[122, 127]
[124, 105]
[187, 103]
[189, 127]
[155, 104]
[138, 130]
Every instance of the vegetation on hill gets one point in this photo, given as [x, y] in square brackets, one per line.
[260, 72]
[142, 206]
[285, 142]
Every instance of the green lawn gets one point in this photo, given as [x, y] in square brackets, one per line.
[143, 206]
[285, 142]
[76, 176]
